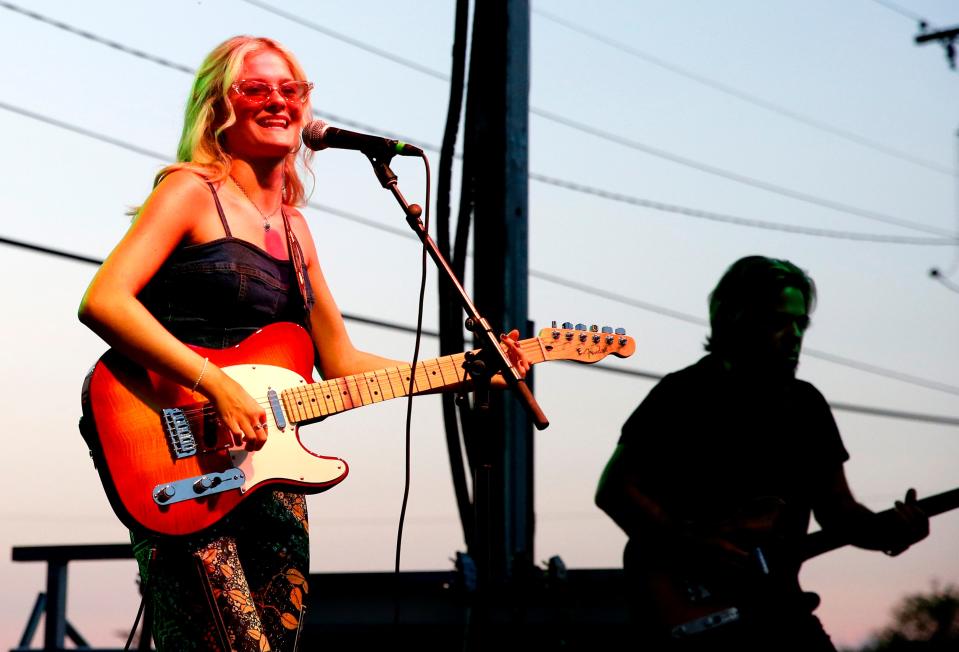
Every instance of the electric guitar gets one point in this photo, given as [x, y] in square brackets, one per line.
[687, 602]
[168, 465]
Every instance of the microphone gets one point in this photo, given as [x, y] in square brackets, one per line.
[318, 135]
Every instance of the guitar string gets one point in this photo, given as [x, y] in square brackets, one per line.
[531, 345]
[389, 372]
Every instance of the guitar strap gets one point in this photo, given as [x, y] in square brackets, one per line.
[296, 255]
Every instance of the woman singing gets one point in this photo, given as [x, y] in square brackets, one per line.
[208, 260]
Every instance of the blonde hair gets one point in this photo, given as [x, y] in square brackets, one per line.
[209, 113]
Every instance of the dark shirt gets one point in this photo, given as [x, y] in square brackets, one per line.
[706, 445]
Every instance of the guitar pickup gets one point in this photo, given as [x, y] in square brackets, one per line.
[167, 493]
[277, 409]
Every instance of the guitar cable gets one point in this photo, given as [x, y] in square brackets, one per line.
[409, 404]
[143, 601]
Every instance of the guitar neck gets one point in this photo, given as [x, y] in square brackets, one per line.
[824, 541]
[315, 401]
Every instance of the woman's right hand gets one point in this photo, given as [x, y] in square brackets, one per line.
[242, 417]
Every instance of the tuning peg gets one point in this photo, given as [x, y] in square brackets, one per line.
[580, 327]
[582, 336]
[622, 336]
[567, 325]
[594, 328]
[553, 324]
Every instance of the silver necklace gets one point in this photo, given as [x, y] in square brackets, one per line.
[266, 218]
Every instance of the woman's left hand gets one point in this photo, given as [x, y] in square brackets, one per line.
[517, 358]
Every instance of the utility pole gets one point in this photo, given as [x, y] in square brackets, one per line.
[496, 143]
[947, 37]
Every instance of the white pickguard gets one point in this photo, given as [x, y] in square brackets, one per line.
[283, 457]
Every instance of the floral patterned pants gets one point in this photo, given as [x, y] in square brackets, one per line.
[237, 586]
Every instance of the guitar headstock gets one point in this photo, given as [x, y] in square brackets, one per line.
[587, 345]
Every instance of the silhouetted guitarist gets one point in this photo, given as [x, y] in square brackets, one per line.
[717, 473]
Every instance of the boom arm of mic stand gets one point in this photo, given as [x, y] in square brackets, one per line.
[381, 166]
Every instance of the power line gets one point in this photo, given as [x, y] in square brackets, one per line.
[873, 215]
[560, 183]
[349, 40]
[739, 178]
[692, 319]
[740, 221]
[577, 187]
[542, 275]
[649, 375]
[902, 11]
[94, 37]
[615, 138]
[746, 97]
[852, 363]
[60, 253]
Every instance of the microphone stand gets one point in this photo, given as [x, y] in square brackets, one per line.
[491, 358]
[479, 368]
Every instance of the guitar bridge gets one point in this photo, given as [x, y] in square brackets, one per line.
[179, 433]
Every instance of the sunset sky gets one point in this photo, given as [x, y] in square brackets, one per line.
[666, 141]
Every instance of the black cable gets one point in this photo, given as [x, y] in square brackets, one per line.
[450, 311]
[746, 97]
[136, 622]
[409, 403]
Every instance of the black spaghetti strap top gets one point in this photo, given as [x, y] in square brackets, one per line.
[217, 293]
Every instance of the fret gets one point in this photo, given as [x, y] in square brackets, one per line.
[397, 377]
[289, 405]
[303, 398]
[355, 396]
[343, 392]
[373, 386]
[327, 394]
[292, 405]
[421, 382]
[448, 368]
[383, 381]
[433, 375]
[316, 403]
[336, 395]
[539, 348]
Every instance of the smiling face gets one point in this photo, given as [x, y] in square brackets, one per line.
[264, 129]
